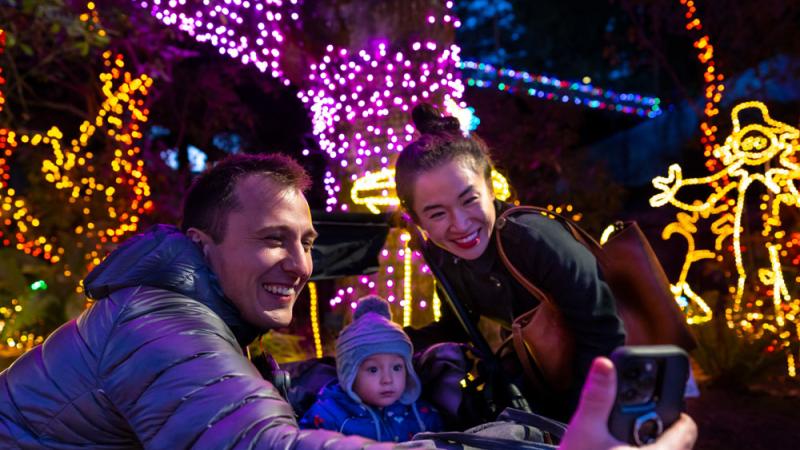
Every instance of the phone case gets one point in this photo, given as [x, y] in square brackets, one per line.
[650, 385]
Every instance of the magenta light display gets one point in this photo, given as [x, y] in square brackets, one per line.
[360, 103]
[252, 31]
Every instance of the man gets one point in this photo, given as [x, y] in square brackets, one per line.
[157, 361]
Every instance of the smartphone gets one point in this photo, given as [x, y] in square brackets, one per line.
[651, 381]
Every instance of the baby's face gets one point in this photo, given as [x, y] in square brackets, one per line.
[381, 379]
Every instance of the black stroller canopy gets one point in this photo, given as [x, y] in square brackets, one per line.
[348, 243]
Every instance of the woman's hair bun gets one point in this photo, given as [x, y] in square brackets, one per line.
[428, 120]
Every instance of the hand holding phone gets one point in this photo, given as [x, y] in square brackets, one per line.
[650, 385]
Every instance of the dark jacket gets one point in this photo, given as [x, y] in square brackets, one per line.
[155, 362]
[337, 411]
[547, 254]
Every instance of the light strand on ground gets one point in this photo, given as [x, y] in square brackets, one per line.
[482, 75]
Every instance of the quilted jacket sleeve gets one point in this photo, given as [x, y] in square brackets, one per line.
[175, 372]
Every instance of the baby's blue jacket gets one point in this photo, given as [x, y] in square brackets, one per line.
[335, 410]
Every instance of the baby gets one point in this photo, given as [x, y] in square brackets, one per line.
[377, 391]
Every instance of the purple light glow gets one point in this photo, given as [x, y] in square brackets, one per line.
[252, 32]
[359, 101]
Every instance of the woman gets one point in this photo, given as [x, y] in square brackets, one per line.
[444, 183]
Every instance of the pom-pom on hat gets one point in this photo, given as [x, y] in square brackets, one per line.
[372, 332]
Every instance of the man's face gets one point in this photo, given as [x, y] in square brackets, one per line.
[381, 379]
[264, 259]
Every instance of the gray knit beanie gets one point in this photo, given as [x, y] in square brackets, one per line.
[371, 332]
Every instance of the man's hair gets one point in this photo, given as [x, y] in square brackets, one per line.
[212, 195]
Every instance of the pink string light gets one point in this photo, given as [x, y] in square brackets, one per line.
[360, 101]
[251, 31]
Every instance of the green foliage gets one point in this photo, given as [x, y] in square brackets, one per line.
[728, 358]
[283, 347]
[51, 65]
[24, 310]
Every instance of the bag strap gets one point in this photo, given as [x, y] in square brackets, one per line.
[523, 351]
[521, 347]
[577, 232]
[499, 225]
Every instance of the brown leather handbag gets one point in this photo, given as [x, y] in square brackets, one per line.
[644, 302]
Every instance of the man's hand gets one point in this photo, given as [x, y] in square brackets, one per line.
[588, 429]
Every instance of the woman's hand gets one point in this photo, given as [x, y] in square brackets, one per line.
[588, 429]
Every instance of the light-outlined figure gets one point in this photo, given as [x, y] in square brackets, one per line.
[763, 151]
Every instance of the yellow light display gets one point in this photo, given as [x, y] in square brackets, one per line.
[713, 81]
[761, 151]
[314, 308]
[408, 306]
[69, 167]
[92, 19]
[500, 185]
[375, 190]
[437, 304]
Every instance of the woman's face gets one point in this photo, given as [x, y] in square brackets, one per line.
[453, 205]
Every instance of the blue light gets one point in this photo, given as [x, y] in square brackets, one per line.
[197, 159]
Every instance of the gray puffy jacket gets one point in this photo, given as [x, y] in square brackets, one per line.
[155, 362]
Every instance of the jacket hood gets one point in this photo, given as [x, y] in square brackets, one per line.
[163, 257]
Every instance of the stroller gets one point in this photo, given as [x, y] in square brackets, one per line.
[499, 415]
